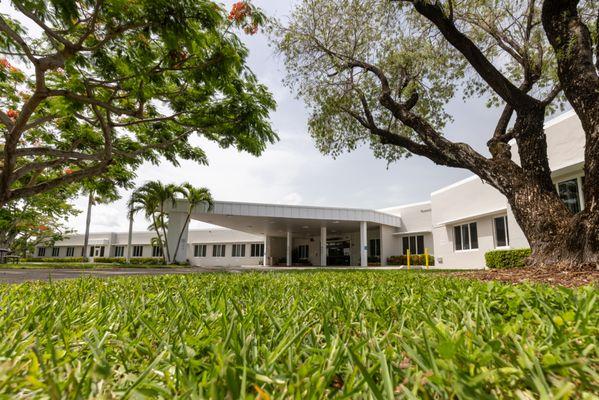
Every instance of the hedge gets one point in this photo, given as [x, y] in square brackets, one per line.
[415, 259]
[515, 258]
[53, 259]
[133, 260]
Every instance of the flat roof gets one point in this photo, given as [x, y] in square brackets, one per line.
[278, 219]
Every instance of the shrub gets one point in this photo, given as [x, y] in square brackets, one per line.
[110, 260]
[133, 260]
[507, 258]
[415, 259]
[54, 259]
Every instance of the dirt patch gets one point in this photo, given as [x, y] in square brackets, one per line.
[568, 277]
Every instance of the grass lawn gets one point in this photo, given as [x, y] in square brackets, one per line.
[346, 334]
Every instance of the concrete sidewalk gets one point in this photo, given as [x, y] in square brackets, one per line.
[18, 275]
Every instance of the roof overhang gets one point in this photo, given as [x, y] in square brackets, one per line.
[472, 217]
[278, 219]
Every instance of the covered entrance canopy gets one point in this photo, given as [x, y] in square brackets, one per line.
[293, 223]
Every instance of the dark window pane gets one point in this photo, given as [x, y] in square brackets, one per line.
[473, 236]
[465, 238]
[568, 192]
[420, 244]
[405, 244]
[457, 237]
[413, 245]
[500, 234]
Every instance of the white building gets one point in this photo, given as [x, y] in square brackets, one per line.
[459, 224]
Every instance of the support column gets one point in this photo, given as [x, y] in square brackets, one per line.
[288, 254]
[363, 245]
[323, 246]
[177, 223]
[266, 260]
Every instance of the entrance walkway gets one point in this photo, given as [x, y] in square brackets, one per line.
[19, 275]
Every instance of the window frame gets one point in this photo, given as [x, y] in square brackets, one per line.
[465, 230]
[200, 254]
[374, 247]
[412, 240]
[70, 251]
[134, 251]
[55, 251]
[157, 251]
[238, 250]
[506, 232]
[119, 251]
[257, 250]
[303, 252]
[41, 252]
[216, 253]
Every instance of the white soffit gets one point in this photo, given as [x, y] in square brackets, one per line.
[472, 217]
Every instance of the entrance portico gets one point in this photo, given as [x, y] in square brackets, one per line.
[301, 235]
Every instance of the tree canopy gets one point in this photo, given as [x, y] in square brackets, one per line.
[94, 88]
[382, 72]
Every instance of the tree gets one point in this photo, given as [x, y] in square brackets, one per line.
[194, 197]
[382, 72]
[106, 85]
[98, 191]
[28, 222]
[152, 198]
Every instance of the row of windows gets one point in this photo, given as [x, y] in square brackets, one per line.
[119, 251]
[414, 243]
[465, 237]
[237, 250]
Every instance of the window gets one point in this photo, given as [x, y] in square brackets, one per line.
[119, 251]
[465, 236]
[257, 250]
[303, 251]
[414, 243]
[568, 192]
[199, 250]
[41, 251]
[138, 251]
[55, 251]
[502, 235]
[238, 250]
[156, 251]
[374, 248]
[70, 251]
[218, 250]
[91, 251]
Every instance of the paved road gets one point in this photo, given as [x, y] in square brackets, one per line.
[18, 275]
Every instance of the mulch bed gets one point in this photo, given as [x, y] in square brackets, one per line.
[558, 276]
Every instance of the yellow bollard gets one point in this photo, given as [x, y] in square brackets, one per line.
[426, 257]
[408, 257]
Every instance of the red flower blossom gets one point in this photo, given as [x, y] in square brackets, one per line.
[42, 228]
[239, 11]
[12, 114]
[4, 63]
[68, 171]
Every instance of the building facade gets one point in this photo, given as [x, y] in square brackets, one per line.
[458, 224]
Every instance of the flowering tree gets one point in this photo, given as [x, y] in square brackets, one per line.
[382, 72]
[98, 87]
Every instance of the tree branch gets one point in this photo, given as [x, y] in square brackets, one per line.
[4, 27]
[487, 71]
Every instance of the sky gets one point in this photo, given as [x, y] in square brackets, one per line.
[292, 171]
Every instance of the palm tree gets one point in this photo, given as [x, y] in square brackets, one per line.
[195, 197]
[151, 198]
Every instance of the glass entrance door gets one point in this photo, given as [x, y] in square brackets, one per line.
[338, 252]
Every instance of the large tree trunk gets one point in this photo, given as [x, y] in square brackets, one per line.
[557, 237]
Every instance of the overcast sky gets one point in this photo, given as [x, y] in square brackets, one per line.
[292, 171]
